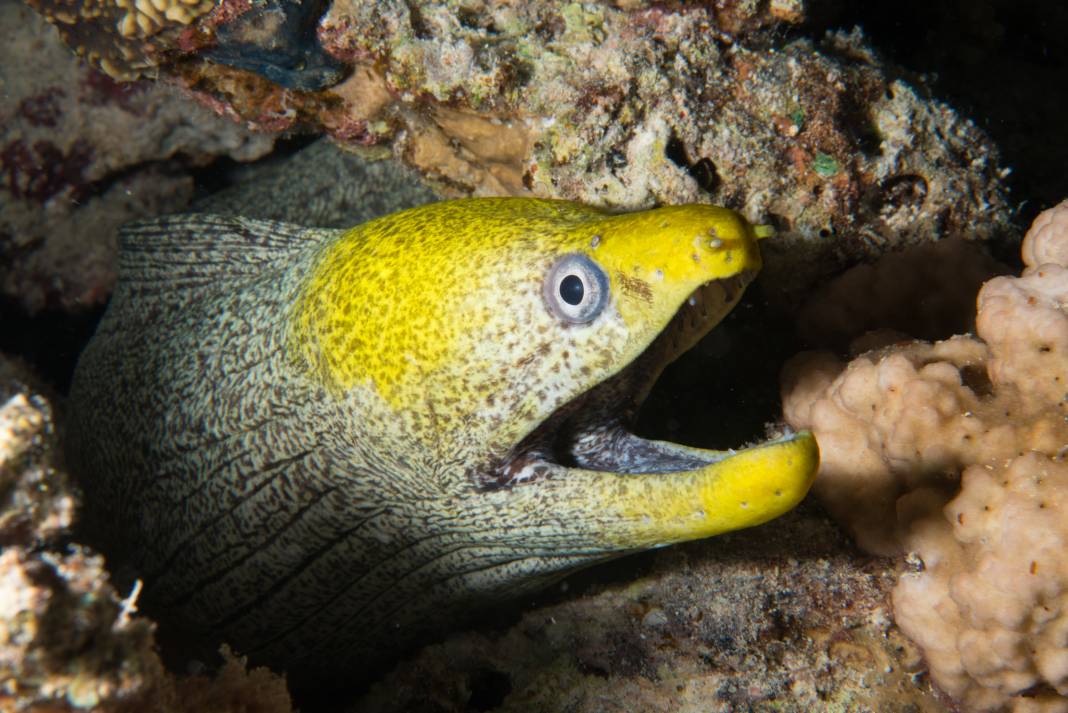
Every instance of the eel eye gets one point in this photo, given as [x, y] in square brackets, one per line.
[576, 289]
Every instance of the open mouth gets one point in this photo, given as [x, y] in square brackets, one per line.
[592, 431]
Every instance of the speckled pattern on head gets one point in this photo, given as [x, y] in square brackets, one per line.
[319, 445]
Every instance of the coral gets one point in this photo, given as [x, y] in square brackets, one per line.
[129, 39]
[1025, 322]
[891, 421]
[954, 452]
[884, 296]
[787, 618]
[629, 105]
[68, 641]
[64, 635]
[121, 37]
[990, 608]
[79, 156]
[277, 40]
[36, 502]
[1047, 240]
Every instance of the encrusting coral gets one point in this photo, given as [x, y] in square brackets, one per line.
[120, 36]
[954, 453]
[624, 105]
[68, 640]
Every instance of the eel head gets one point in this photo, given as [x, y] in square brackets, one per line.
[510, 344]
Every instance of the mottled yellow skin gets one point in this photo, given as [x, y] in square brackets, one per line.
[433, 318]
[467, 335]
[446, 269]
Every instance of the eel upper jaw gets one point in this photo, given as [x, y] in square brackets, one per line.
[591, 431]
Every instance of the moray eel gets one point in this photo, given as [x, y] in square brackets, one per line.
[319, 445]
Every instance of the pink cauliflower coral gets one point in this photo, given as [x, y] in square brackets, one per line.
[1023, 319]
[954, 452]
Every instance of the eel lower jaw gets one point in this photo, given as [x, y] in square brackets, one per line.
[611, 448]
[655, 493]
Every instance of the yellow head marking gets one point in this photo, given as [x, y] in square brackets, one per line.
[672, 251]
[440, 310]
[390, 302]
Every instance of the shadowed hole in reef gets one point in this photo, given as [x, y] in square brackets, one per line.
[703, 171]
[224, 171]
[489, 688]
[50, 341]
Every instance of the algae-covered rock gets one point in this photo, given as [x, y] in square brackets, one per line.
[783, 618]
[628, 105]
[631, 107]
[81, 154]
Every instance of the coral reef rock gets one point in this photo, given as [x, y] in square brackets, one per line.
[626, 105]
[81, 154]
[785, 617]
[64, 634]
[68, 641]
[121, 36]
[954, 453]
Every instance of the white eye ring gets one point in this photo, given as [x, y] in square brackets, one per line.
[576, 289]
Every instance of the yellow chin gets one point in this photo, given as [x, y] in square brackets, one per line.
[582, 512]
[741, 490]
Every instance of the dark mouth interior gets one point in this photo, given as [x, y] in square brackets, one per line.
[594, 430]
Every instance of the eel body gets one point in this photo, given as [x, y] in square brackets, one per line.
[318, 445]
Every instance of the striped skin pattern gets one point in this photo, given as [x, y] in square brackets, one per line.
[320, 445]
